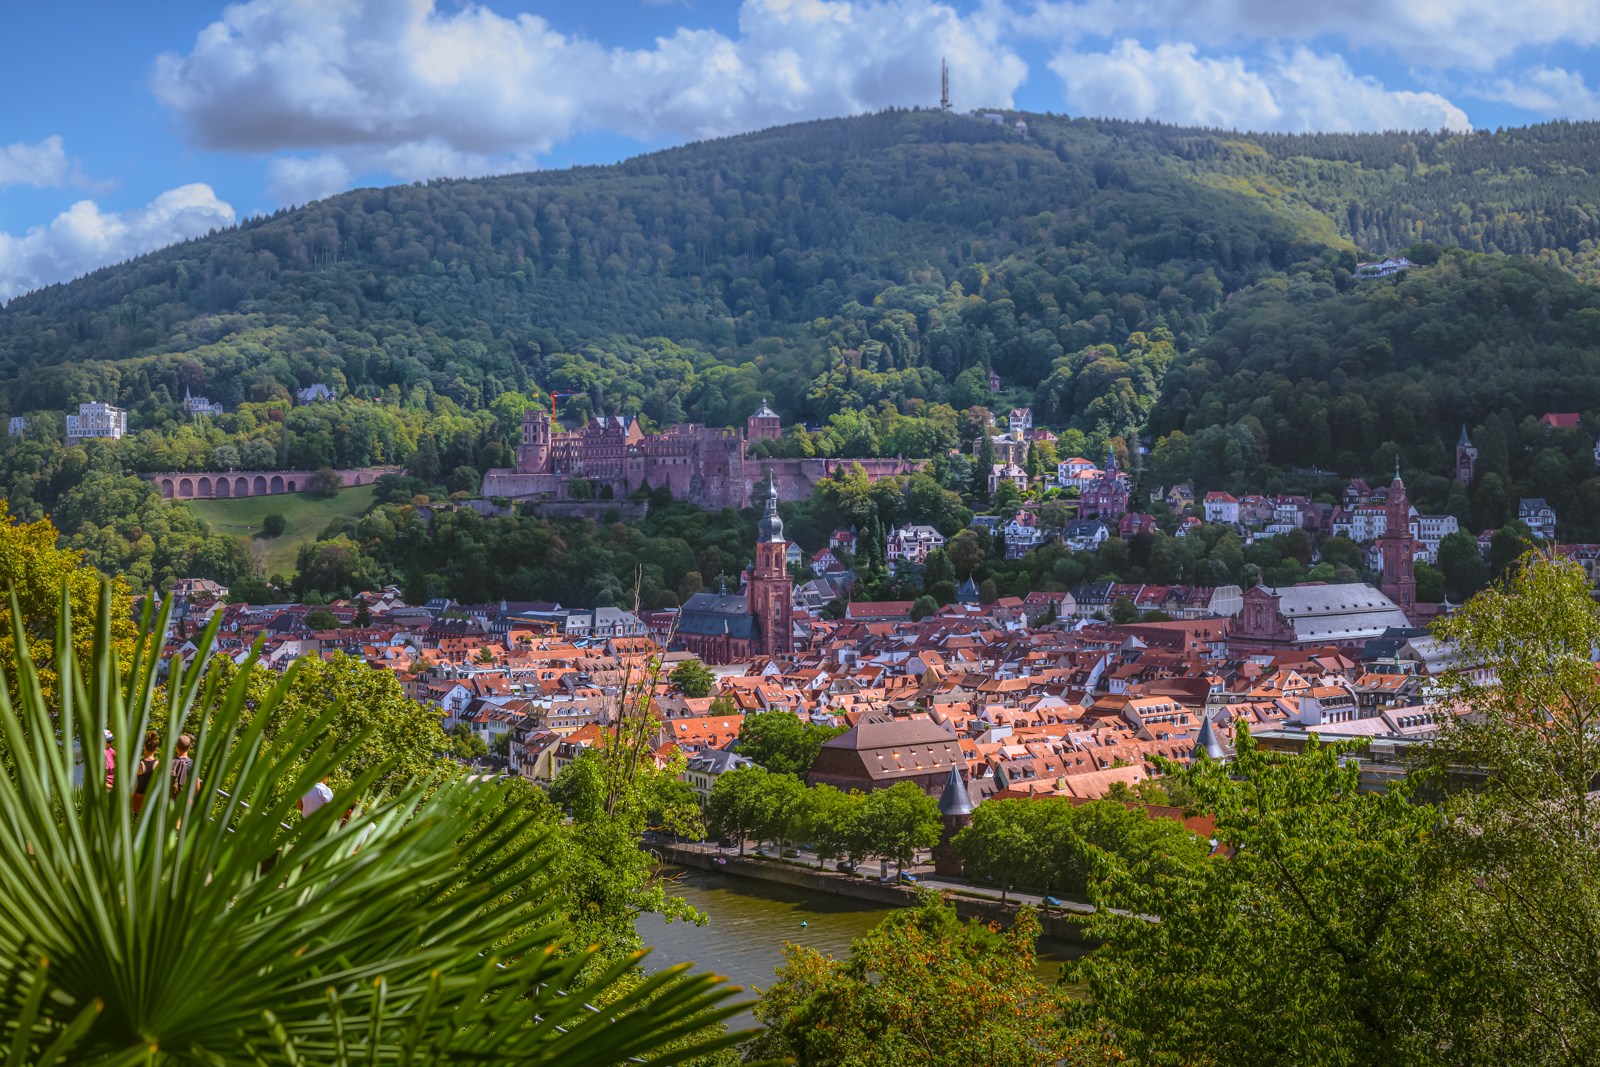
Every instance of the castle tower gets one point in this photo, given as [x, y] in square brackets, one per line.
[955, 812]
[771, 595]
[1399, 584]
[1467, 458]
[533, 454]
[763, 425]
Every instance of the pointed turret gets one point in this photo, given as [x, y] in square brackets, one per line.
[1208, 744]
[955, 800]
[770, 529]
[1464, 442]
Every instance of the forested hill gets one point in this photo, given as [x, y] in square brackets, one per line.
[828, 265]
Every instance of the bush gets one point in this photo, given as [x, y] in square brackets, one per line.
[274, 525]
[322, 619]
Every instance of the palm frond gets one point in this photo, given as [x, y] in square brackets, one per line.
[218, 927]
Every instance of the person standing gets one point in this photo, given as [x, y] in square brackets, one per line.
[147, 768]
[315, 797]
[182, 765]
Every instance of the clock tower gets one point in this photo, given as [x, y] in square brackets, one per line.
[1399, 583]
[771, 589]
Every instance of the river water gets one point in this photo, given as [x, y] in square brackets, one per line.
[751, 919]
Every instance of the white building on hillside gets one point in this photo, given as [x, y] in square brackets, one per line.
[97, 420]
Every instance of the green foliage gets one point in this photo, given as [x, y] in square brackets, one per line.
[921, 990]
[273, 525]
[465, 744]
[245, 935]
[1317, 941]
[897, 822]
[1050, 845]
[321, 619]
[781, 742]
[694, 678]
[1524, 842]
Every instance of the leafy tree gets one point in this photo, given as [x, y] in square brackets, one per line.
[694, 678]
[327, 482]
[922, 607]
[1509, 543]
[273, 525]
[898, 822]
[322, 619]
[1430, 584]
[208, 956]
[1523, 842]
[831, 824]
[466, 744]
[921, 990]
[1461, 564]
[34, 571]
[737, 807]
[464, 479]
[1317, 941]
[785, 808]
[424, 462]
[1124, 611]
[782, 742]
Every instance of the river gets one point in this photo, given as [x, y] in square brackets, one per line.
[751, 919]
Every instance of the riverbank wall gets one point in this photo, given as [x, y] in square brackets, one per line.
[1064, 922]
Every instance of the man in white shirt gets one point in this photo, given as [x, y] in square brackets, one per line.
[317, 796]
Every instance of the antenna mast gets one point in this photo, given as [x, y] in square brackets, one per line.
[944, 85]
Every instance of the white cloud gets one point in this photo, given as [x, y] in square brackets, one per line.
[84, 238]
[1547, 91]
[38, 165]
[1429, 33]
[300, 181]
[45, 165]
[1299, 92]
[396, 84]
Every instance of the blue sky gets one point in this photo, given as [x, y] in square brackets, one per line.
[132, 126]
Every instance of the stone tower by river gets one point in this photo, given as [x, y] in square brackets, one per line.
[955, 812]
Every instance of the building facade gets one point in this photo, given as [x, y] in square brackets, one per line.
[97, 420]
[704, 465]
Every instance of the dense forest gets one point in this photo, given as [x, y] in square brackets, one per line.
[1194, 288]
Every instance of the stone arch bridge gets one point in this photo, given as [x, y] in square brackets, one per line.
[220, 485]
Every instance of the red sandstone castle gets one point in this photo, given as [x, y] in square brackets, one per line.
[702, 464]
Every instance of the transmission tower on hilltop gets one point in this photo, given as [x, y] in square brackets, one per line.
[944, 85]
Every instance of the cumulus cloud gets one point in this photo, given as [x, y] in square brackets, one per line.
[83, 237]
[300, 181]
[39, 165]
[45, 165]
[399, 85]
[1300, 92]
[1547, 91]
[1433, 33]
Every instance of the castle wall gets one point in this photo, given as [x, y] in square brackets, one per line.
[796, 478]
[218, 485]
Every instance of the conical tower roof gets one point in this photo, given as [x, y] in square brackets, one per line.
[955, 800]
[1208, 744]
[1464, 442]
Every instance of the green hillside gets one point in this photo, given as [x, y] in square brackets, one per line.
[864, 275]
[305, 515]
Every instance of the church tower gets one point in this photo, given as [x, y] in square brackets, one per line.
[1399, 583]
[1466, 459]
[533, 454]
[771, 588]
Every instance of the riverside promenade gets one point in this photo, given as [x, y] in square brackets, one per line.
[1063, 920]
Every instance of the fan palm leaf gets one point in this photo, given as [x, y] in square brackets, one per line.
[217, 927]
